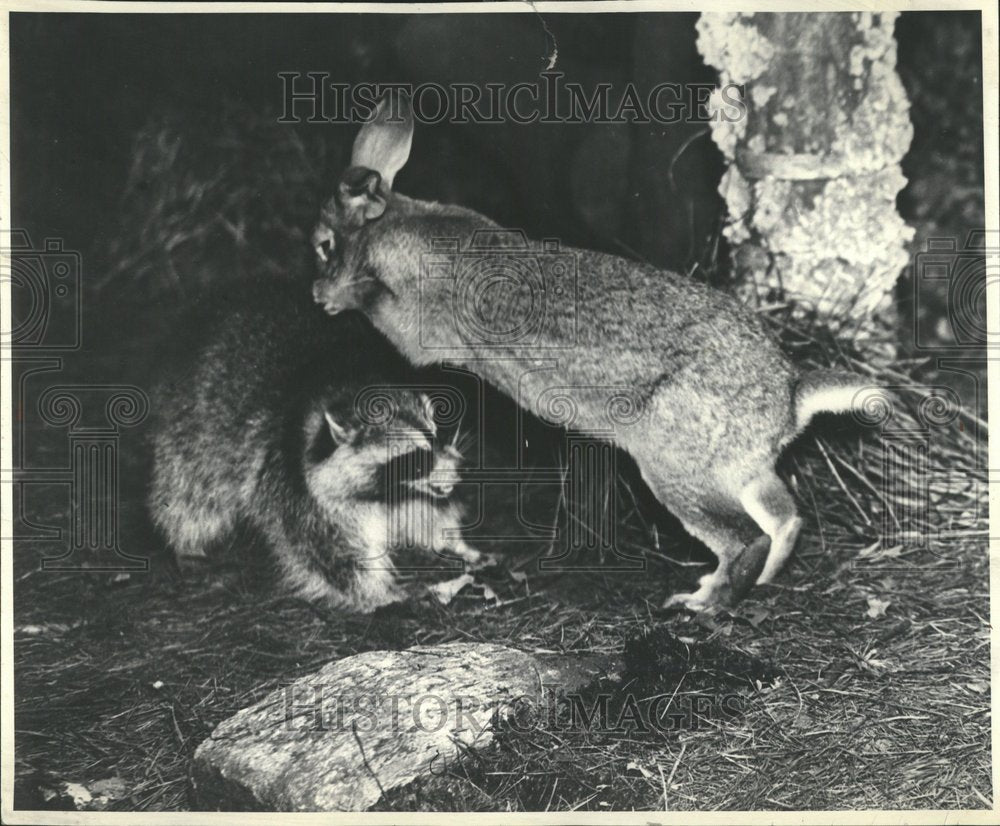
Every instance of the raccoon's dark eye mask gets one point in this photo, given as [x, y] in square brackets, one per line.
[409, 467]
[394, 480]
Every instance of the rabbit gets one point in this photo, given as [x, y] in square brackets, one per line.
[282, 419]
[680, 375]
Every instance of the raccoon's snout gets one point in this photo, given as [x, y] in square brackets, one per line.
[442, 490]
[432, 488]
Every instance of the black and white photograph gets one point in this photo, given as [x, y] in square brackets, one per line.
[559, 411]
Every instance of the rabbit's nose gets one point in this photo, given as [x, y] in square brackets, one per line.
[323, 240]
[327, 294]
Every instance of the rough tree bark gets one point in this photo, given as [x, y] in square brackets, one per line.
[814, 167]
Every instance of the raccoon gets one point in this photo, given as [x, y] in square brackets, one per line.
[302, 428]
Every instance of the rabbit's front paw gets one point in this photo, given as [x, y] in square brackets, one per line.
[691, 602]
[711, 595]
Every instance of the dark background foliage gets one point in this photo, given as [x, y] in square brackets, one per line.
[112, 113]
[84, 85]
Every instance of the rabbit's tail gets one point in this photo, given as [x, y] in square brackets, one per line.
[833, 391]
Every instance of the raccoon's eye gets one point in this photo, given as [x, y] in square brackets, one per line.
[322, 446]
[423, 460]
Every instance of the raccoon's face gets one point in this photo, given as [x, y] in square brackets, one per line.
[427, 471]
[388, 463]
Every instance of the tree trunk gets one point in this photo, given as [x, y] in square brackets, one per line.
[814, 162]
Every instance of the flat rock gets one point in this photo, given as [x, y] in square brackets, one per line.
[337, 739]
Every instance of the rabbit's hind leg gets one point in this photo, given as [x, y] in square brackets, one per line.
[728, 536]
[769, 504]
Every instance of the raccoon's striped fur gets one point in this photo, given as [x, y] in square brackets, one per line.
[257, 426]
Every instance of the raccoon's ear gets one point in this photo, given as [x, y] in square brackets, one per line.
[428, 406]
[339, 433]
[383, 144]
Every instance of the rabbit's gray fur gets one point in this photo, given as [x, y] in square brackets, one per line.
[718, 399]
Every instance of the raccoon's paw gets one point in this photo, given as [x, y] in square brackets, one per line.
[361, 600]
[374, 588]
[390, 596]
[474, 559]
[195, 563]
[189, 560]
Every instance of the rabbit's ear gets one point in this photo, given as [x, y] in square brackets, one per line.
[360, 197]
[383, 144]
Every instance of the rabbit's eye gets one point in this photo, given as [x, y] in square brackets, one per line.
[324, 242]
[324, 249]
